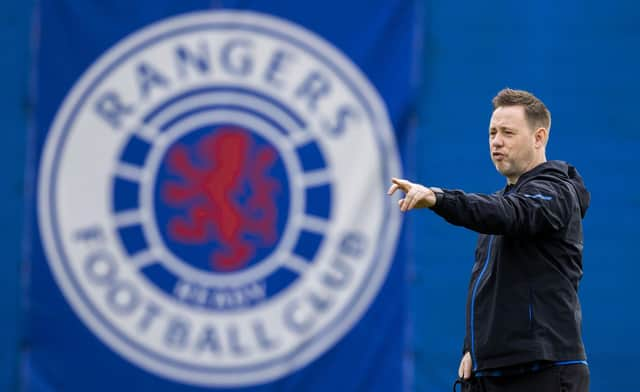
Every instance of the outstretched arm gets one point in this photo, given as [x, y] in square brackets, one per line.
[538, 207]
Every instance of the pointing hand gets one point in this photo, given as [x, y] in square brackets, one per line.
[416, 195]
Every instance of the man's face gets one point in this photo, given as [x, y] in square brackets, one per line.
[511, 141]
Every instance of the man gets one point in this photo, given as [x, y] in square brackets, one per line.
[523, 330]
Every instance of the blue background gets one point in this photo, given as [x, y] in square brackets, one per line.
[15, 106]
[581, 57]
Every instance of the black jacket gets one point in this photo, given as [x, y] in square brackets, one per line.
[523, 302]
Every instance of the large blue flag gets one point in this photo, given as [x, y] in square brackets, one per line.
[209, 196]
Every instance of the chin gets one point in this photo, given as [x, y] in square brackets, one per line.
[500, 168]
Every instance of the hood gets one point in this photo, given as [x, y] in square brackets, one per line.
[565, 172]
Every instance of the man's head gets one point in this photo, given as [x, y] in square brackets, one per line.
[518, 132]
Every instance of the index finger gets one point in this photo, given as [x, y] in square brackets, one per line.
[402, 184]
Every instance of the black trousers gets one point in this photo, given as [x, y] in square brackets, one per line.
[569, 378]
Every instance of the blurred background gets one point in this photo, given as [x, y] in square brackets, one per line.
[436, 65]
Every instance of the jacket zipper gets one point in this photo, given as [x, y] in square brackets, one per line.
[530, 309]
[473, 302]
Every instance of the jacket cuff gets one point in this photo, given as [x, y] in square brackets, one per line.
[466, 348]
[440, 194]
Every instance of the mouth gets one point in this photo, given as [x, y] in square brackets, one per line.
[497, 156]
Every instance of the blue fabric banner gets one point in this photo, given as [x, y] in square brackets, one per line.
[209, 206]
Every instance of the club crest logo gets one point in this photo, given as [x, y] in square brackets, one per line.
[211, 197]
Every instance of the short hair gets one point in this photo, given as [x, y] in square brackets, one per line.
[536, 113]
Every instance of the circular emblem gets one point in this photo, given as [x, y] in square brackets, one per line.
[212, 197]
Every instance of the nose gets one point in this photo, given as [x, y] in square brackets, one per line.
[496, 141]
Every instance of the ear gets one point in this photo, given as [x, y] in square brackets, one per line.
[541, 135]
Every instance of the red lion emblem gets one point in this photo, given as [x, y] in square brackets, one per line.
[209, 194]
